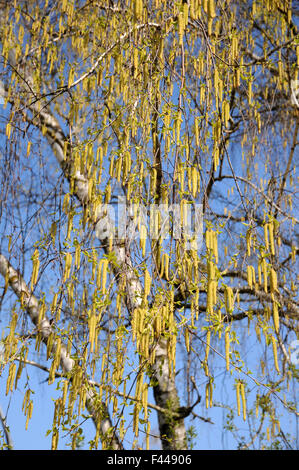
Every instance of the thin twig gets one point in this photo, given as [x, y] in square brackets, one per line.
[6, 430]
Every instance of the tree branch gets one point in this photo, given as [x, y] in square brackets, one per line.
[6, 430]
[30, 302]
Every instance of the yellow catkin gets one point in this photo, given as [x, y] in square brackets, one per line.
[104, 357]
[185, 12]
[208, 239]
[54, 440]
[118, 168]
[67, 267]
[71, 77]
[145, 345]
[29, 414]
[19, 371]
[26, 400]
[187, 339]
[250, 92]
[277, 426]
[111, 241]
[215, 246]
[242, 390]
[135, 61]
[66, 203]
[64, 393]
[8, 130]
[69, 225]
[196, 128]
[264, 269]
[92, 329]
[273, 281]
[208, 340]
[153, 181]
[293, 254]
[148, 428]
[144, 399]
[211, 271]
[271, 238]
[260, 273]
[211, 9]
[141, 319]
[249, 276]
[147, 283]
[57, 352]
[253, 277]
[138, 9]
[102, 275]
[111, 167]
[195, 181]
[211, 288]
[158, 322]
[189, 173]
[50, 344]
[181, 28]
[184, 212]
[165, 266]
[107, 193]
[275, 316]
[206, 368]
[274, 347]
[11, 377]
[173, 353]
[238, 398]
[248, 242]
[226, 112]
[266, 236]
[229, 299]
[162, 266]
[35, 268]
[143, 235]
[211, 393]
[227, 344]
[207, 395]
[28, 148]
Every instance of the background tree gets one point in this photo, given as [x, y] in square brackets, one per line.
[178, 104]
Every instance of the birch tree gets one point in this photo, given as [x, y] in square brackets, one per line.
[149, 214]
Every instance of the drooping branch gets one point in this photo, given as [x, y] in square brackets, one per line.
[286, 173]
[256, 189]
[14, 279]
[166, 396]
